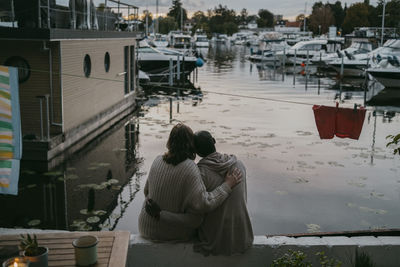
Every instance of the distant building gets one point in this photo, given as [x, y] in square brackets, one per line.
[278, 17]
[252, 25]
[293, 24]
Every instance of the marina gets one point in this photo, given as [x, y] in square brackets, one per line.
[313, 117]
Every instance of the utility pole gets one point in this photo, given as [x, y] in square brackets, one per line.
[305, 21]
[383, 21]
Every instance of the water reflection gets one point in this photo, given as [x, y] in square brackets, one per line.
[83, 193]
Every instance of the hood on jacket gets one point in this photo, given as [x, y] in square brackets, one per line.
[220, 163]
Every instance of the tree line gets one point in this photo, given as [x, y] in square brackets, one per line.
[221, 19]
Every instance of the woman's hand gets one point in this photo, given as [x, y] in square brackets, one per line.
[234, 177]
[152, 209]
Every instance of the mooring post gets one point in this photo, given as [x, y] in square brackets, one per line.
[284, 57]
[307, 61]
[171, 82]
[342, 69]
[178, 67]
[294, 67]
[366, 83]
[183, 70]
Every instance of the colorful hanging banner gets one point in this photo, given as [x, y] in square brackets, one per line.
[10, 131]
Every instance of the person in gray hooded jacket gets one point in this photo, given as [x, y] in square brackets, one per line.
[226, 230]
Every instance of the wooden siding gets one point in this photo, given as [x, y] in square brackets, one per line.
[38, 82]
[84, 98]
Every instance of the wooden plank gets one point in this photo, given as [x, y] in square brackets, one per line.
[62, 240]
[72, 262]
[58, 246]
[64, 251]
[119, 251]
[60, 235]
[72, 256]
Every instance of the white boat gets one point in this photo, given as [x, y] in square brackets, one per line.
[306, 51]
[200, 40]
[268, 49]
[387, 72]
[356, 48]
[156, 61]
[355, 65]
[179, 40]
[159, 40]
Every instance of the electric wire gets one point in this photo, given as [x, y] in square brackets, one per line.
[178, 88]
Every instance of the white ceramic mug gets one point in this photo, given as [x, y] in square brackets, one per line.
[85, 250]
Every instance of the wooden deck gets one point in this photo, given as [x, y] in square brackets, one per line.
[112, 248]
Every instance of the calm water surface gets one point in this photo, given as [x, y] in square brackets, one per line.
[296, 181]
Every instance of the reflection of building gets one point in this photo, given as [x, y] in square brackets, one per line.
[83, 193]
[73, 83]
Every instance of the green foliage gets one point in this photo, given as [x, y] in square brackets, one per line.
[266, 19]
[175, 12]
[297, 259]
[167, 24]
[394, 140]
[327, 262]
[29, 245]
[291, 259]
[321, 19]
[363, 260]
[356, 16]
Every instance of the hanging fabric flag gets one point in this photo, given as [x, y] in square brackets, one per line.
[342, 122]
[10, 131]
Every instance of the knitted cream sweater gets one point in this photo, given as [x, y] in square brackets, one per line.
[177, 189]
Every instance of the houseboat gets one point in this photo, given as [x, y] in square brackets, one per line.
[76, 79]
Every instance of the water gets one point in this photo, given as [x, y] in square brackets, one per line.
[296, 181]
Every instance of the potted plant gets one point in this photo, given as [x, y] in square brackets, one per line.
[36, 255]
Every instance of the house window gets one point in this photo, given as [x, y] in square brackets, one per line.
[24, 70]
[87, 66]
[107, 61]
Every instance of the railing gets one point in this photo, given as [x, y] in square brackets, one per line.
[81, 14]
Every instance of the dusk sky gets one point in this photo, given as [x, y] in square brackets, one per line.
[287, 8]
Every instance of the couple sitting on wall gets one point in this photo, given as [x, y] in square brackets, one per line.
[204, 202]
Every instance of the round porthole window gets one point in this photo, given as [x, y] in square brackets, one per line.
[107, 61]
[87, 66]
[24, 70]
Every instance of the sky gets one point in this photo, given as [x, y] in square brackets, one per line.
[288, 8]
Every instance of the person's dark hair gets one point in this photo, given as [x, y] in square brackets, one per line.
[204, 143]
[180, 145]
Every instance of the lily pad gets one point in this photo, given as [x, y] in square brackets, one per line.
[35, 222]
[93, 219]
[313, 228]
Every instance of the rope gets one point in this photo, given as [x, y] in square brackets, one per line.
[182, 89]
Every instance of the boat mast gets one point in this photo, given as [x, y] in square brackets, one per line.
[156, 29]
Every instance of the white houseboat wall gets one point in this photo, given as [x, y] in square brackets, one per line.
[74, 83]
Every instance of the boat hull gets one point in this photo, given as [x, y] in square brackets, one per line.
[389, 79]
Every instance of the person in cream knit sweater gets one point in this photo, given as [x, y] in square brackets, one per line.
[175, 183]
